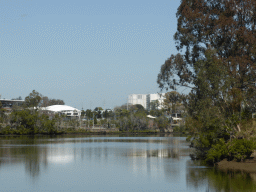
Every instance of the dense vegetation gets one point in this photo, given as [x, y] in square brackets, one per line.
[219, 68]
[30, 119]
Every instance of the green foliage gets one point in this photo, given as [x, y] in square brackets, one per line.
[95, 120]
[219, 68]
[238, 149]
[33, 100]
[25, 119]
[156, 113]
[89, 113]
[47, 125]
[217, 152]
[162, 122]
[29, 122]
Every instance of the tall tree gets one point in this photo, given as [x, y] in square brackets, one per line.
[225, 30]
[172, 101]
[47, 102]
[33, 99]
[218, 65]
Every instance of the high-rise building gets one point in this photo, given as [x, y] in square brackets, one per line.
[134, 99]
[146, 99]
[159, 98]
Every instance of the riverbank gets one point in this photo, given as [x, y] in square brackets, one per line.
[82, 131]
[249, 165]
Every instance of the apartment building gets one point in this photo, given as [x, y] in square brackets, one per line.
[146, 99]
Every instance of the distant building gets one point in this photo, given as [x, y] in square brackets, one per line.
[9, 103]
[146, 99]
[63, 109]
[155, 97]
[141, 99]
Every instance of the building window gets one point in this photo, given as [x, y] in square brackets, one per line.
[68, 113]
[75, 113]
[139, 97]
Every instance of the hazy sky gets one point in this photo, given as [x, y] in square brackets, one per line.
[85, 52]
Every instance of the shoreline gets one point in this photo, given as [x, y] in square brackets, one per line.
[99, 132]
[249, 165]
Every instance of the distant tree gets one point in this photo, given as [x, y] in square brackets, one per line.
[18, 98]
[45, 101]
[2, 115]
[98, 112]
[154, 105]
[105, 114]
[89, 113]
[156, 113]
[48, 102]
[139, 107]
[33, 99]
[56, 102]
[172, 100]
[83, 113]
[95, 120]
[162, 122]
[98, 109]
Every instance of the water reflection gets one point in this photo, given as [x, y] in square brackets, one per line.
[164, 159]
[36, 153]
[162, 153]
[212, 179]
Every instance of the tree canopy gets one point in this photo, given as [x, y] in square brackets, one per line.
[218, 38]
[33, 99]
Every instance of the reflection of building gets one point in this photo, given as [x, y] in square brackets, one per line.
[146, 99]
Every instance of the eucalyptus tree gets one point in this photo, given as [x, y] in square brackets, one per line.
[216, 60]
[33, 99]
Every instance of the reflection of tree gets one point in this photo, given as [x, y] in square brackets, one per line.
[26, 152]
[219, 180]
[32, 161]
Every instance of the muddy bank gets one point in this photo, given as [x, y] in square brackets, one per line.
[249, 165]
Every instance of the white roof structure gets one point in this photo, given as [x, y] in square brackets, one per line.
[60, 108]
[151, 117]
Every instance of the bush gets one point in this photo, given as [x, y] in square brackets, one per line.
[217, 152]
[241, 149]
[238, 149]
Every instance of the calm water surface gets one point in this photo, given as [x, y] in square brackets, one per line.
[79, 163]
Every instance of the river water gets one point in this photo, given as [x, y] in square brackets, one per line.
[96, 163]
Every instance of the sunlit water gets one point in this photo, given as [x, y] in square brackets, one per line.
[77, 163]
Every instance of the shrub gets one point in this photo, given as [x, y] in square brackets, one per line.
[238, 149]
[241, 149]
[218, 152]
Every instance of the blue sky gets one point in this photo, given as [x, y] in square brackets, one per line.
[85, 52]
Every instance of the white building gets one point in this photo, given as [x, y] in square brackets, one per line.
[138, 99]
[146, 99]
[63, 109]
[155, 97]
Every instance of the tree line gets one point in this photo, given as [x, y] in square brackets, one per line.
[30, 119]
[27, 119]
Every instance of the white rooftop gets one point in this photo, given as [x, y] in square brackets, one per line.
[151, 117]
[59, 108]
